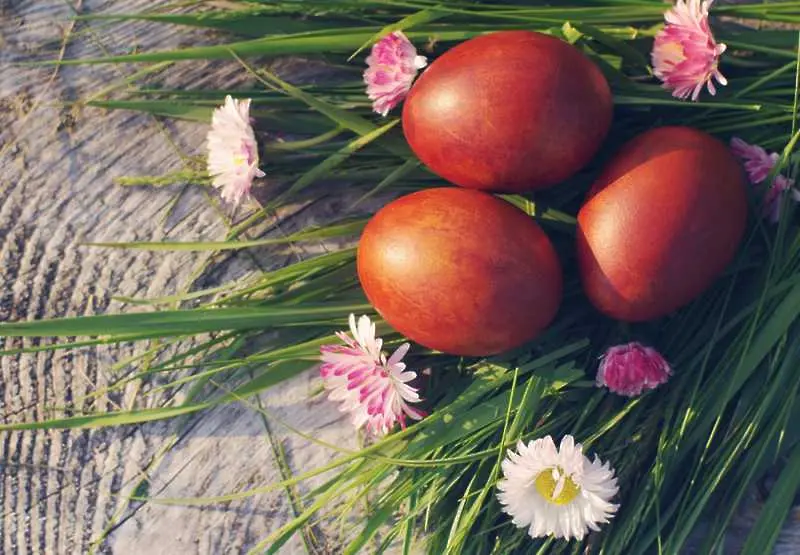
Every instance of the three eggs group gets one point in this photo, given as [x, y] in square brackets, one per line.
[464, 272]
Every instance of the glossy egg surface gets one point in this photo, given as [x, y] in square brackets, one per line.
[509, 111]
[663, 220]
[460, 271]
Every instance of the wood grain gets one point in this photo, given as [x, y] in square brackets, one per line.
[61, 492]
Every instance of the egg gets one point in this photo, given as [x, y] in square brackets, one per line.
[509, 111]
[459, 271]
[663, 220]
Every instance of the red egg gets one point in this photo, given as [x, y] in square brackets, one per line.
[662, 222]
[509, 111]
[460, 271]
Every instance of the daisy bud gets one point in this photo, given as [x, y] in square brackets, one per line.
[392, 66]
[630, 369]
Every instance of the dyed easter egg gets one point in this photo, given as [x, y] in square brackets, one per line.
[460, 271]
[509, 111]
[663, 220]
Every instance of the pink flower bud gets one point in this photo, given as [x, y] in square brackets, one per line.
[392, 66]
[630, 369]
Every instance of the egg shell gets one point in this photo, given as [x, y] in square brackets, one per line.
[509, 111]
[663, 220]
[460, 271]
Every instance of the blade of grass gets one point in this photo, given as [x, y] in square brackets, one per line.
[183, 322]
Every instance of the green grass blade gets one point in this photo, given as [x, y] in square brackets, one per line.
[337, 158]
[423, 16]
[182, 322]
[307, 234]
[106, 419]
[305, 43]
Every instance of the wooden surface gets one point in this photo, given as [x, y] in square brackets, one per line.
[60, 491]
[65, 492]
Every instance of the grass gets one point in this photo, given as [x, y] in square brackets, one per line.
[685, 454]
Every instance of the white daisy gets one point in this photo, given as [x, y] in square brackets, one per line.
[232, 150]
[556, 492]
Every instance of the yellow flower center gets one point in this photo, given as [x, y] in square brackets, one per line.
[673, 52]
[239, 160]
[555, 486]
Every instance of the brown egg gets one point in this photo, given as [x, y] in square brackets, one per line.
[663, 220]
[509, 111]
[460, 271]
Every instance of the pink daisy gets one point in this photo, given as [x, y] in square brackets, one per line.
[632, 368]
[774, 196]
[372, 389]
[685, 55]
[391, 68]
[758, 164]
[232, 150]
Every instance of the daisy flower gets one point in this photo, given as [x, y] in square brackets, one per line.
[372, 388]
[758, 164]
[685, 55]
[556, 492]
[391, 68]
[773, 198]
[630, 369]
[232, 150]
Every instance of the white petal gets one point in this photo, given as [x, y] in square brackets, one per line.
[398, 355]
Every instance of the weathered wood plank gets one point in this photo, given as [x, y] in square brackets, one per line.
[61, 491]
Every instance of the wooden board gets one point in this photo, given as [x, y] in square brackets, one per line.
[61, 492]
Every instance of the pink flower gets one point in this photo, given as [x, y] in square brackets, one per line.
[630, 369]
[773, 198]
[372, 389]
[758, 164]
[392, 66]
[232, 150]
[685, 55]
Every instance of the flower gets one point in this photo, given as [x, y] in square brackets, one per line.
[557, 492]
[685, 55]
[758, 165]
[232, 150]
[774, 197]
[630, 369]
[757, 162]
[391, 68]
[372, 389]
